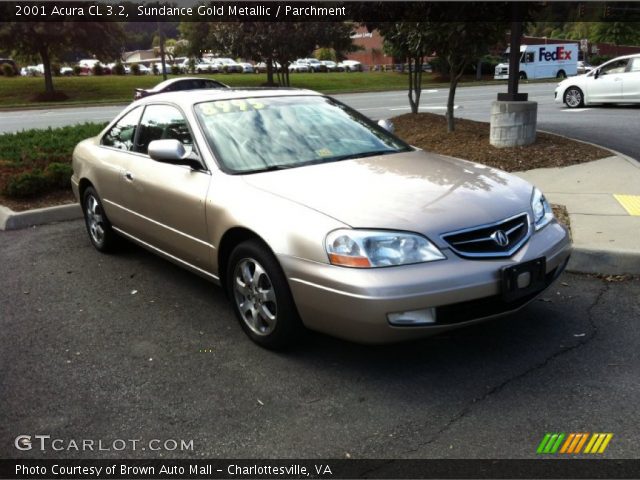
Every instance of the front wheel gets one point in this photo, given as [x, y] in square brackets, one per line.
[100, 232]
[573, 97]
[523, 76]
[261, 297]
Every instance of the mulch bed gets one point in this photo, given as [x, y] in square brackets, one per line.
[60, 197]
[471, 142]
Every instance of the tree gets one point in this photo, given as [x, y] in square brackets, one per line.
[458, 44]
[50, 41]
[410, 41]
[272, 42]
[618, 33]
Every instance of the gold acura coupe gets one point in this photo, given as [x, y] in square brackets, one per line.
[308, 214]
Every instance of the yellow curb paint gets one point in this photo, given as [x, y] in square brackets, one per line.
[631, 203]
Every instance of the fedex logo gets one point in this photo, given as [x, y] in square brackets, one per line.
[559, 54]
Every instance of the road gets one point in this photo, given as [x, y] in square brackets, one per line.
[613, 127]
[128, 346]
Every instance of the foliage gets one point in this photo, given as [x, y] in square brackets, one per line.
[7, 70]
[135, 69]
[98, 69]
[41, 158]
[49, 42]
[118, 68]
[33, 148]
[280, 42]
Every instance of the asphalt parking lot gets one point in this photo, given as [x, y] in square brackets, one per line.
[129, 346]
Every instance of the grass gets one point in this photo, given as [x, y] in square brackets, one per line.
[20, 91]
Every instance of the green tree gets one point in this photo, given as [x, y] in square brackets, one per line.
[618, 33]
[50, 41]
[271, 42]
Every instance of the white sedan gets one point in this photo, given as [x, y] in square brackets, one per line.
[617, 81]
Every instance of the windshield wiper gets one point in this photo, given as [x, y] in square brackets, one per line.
[271, 168]
[352, 156]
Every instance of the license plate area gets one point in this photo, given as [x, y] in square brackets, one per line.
[523, 279]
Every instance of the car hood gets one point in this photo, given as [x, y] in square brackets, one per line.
[414, 191]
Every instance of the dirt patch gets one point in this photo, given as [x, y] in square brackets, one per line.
[560, 211]
[471, 142]
[60, 197]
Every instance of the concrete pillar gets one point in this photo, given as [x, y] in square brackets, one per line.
[513, 123]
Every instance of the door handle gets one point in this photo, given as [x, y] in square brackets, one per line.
[128, 176]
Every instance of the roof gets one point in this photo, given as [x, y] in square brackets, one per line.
[189, 97]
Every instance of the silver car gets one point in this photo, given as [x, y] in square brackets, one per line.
[310, 215]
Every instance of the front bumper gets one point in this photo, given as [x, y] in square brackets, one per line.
[354, 303]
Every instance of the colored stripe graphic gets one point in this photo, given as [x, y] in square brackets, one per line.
[631, 203]
[550, 443]
[598, 443]
[573, 443]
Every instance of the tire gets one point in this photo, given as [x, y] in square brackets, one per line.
[561, 74]
[523, 76]
[101, 234]
[573, 97]
[261, 297]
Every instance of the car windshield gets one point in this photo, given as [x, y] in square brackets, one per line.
[271, 133]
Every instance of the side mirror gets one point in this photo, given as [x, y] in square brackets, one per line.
[173, 152]
[386, 124]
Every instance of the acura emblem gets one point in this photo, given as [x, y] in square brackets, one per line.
[500, 238]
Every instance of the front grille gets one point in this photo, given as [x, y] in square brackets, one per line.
[501, 239]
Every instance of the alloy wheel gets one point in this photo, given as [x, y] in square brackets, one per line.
[255, 296]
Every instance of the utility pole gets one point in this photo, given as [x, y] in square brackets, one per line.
[162, 57]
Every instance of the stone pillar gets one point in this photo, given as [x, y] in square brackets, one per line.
[513, 123]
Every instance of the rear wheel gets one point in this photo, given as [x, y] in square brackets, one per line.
[261, 297]
[100, 232]
[561, 74]
[573, 97]
[523, 76]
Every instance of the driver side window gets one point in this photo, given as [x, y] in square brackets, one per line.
[161, 122]
[123, 133]
[614, 67]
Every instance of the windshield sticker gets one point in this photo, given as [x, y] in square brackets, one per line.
[324, 152]
[229, 106]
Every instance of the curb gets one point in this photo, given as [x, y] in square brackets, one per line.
[10, 220]
[606, 262]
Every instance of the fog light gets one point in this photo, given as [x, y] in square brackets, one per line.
[413, 318]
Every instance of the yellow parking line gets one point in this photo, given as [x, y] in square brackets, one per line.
[631, 203]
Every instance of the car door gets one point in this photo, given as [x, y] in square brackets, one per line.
[113, 154]
[166, 203]
[606, 85]
[631, 81]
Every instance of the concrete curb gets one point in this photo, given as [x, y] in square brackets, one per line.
[612, 262]
[10, 220]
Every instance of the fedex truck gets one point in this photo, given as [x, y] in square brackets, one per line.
[542, 61]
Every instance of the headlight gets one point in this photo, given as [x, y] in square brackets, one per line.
[371, 248]
[542, 213]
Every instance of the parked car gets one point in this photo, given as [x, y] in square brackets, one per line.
[227, 65]
[144, 70]
[178, 84]
[261, 67]
[389, 242]
[314, 64]
[350, 66]
[31, 71]
[616, 81]
[206, 67]
[66, 71]
[331, 65]
[299, 67]
[246, 67]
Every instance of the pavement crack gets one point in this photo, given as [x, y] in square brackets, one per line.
[538, 366]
